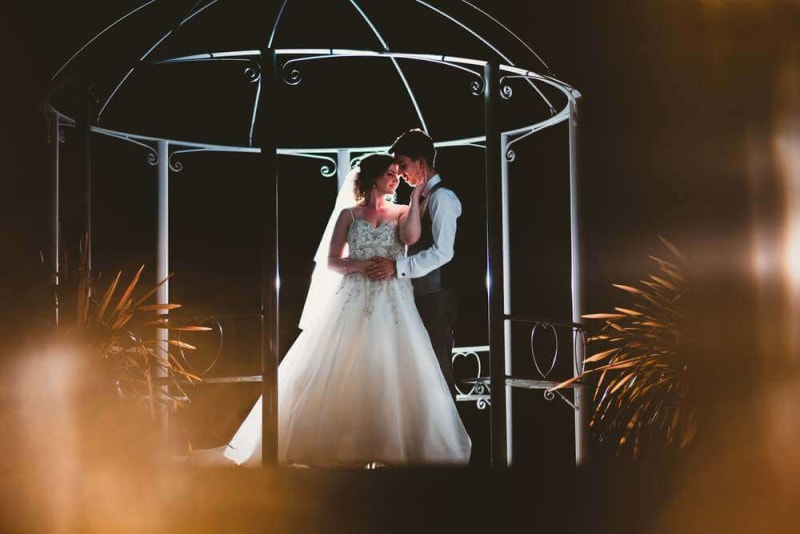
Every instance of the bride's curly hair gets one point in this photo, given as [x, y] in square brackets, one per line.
[371, 168]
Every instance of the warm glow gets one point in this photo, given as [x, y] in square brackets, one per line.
[83, 462]
[793, 245]
[786, 150]
[763, 262]
[786, 153]
[45, 386]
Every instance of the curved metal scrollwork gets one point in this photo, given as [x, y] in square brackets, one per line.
[543, 381]
[355, 161]
[580, 358]
[474, 355]
[177, 166]
[511, 154]
[579, 338]
[152, 152]
[291, 75]
[477, 86]
[327, 170]
[253, 72]
[480, 390]
[554, 359]
[506, 88]
[506, 92]
[551, 394]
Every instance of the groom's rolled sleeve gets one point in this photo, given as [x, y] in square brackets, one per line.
[444, 208]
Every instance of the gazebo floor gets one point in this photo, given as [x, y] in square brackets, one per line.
[277, 500]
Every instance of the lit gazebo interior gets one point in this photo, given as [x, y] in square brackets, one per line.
[209, 136]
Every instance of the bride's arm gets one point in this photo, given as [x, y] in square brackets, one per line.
[410, 224]
[338, 241]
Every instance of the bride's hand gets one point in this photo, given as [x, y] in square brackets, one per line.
[381, 269]
[357, 266]
[416, 193]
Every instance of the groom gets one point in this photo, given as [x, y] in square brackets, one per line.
[429, 261]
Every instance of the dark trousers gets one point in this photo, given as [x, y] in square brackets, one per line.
[439, 312]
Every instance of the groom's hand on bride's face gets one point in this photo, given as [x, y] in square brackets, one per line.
[381, 269]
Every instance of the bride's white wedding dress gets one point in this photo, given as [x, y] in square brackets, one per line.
[362, 384]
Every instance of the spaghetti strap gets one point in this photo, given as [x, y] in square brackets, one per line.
[352, 217]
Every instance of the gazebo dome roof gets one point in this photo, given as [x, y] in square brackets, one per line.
[185, 70]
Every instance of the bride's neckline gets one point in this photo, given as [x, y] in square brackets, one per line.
[356, 219]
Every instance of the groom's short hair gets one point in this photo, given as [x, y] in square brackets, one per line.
[415, 144]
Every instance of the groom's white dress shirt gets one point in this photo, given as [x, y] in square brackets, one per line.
[444, 208]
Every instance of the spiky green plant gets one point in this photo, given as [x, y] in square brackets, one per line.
[642, 394]
[118, 330]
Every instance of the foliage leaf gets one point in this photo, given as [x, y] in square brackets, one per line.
[112, 330]
[641, 395]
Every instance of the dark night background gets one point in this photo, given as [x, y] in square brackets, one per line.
[681, 103]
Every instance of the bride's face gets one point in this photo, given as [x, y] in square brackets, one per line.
[387, 183]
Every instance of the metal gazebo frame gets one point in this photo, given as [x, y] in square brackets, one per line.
[270, 66]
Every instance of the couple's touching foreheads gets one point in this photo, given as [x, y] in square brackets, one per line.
[369, 380]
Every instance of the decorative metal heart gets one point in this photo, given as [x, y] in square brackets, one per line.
[552, 329]
[468, 354]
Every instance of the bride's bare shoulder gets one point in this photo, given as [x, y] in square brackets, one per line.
[349, 213]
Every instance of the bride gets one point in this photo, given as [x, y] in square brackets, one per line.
[361, 384]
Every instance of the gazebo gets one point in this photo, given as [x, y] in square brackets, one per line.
[281, 80]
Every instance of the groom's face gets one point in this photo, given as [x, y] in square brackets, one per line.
[410, 169]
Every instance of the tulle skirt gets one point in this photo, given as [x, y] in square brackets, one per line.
[361, 385]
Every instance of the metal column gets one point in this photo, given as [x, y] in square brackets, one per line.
[494, 266]
[270, 271]
[506, 297]
[342, 167]
[162, 267]
[85, 129]
[55, 223]
[581, 395]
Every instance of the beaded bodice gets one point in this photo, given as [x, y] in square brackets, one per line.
[366, 241]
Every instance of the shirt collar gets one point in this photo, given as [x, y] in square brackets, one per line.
[435, 179]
